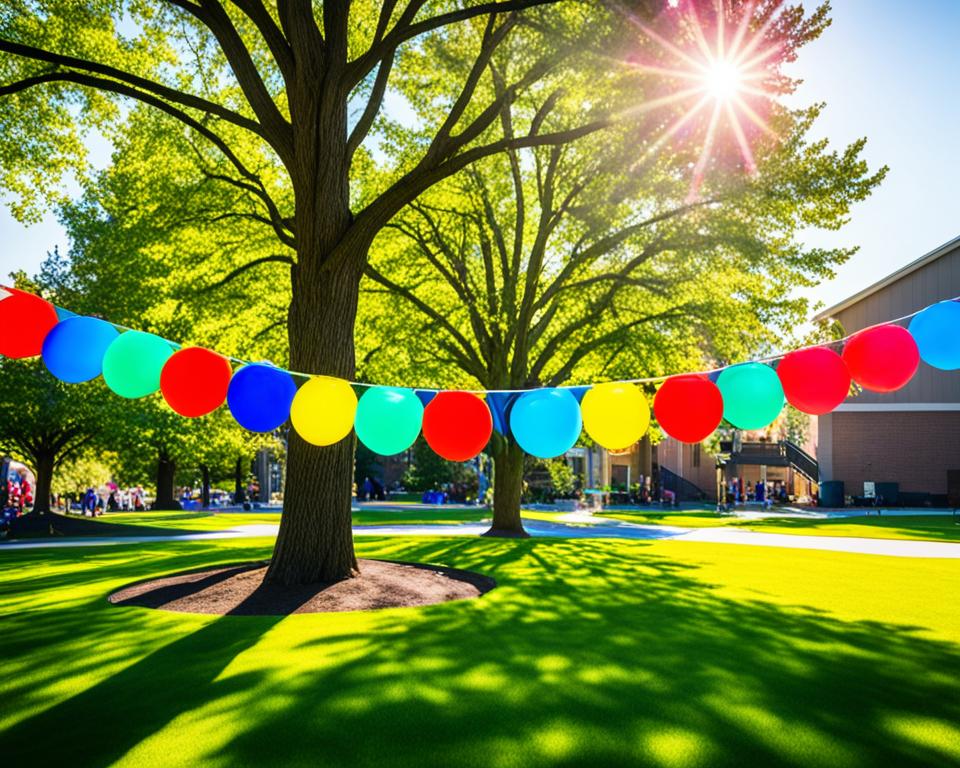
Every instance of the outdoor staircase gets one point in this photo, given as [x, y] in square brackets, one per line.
[685, 490]
[781, 454]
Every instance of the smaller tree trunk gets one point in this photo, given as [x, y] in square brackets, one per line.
[239, 494]
[41, 494]
[166, 469]
[205, 486]
[507, 489]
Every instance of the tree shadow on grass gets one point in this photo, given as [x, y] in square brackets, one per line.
[587, 653]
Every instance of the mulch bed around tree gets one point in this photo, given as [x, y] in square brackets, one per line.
[239, 590]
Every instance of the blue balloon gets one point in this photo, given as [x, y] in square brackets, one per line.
[259, 396]
[73, 350]
[546, 422]
[937, 333]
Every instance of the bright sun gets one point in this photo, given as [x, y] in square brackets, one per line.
[723, 79]
[722, 71]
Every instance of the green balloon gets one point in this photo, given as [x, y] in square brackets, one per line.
[388, 419]
[132, 363]
[752, 395]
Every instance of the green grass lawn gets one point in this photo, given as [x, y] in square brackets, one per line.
[927, 527]
[210, 521]
[589, 652]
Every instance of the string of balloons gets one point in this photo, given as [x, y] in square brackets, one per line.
[545, 422]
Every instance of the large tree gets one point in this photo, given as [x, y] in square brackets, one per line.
[575, 262]
[288, 76]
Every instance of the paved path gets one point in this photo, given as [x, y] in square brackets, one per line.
[575, 525]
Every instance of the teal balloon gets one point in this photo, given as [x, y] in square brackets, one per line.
[752, 395]
[132, 363]
[388, 419]
[937, 333]
[546, 422]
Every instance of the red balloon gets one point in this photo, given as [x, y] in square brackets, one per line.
[457, 425]
[25, 321]
[194, 381]
[815, 380]
[688, 407]
[882, 358]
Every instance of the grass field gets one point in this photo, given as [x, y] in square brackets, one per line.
[926, 527]
[208, 521]
[587, 653]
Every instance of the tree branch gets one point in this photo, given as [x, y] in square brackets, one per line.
[429, 311]
[404, 30]
[112, 86]
[276, 130]
[170, 94]
[276, 42]
[370, 111]
[273, 258]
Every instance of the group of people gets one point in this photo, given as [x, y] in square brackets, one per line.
[19, 492]
[95, 503]
[739, 493]
[371, 490]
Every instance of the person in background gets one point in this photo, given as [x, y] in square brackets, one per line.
[90, 502]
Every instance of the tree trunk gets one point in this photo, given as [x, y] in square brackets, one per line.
[41, 494]
[166, 469]
[315, 542]
[205, 486]
[239, 494]
[507, 489]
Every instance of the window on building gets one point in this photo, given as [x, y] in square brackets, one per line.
[696, 455]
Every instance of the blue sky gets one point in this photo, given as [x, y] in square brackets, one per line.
[886, 69]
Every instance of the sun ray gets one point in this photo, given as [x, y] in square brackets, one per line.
[757, 37]
[701, 164]
[721, 32]
[741, 138]
[678, 52]
[663, 101]
[741, 30]
[673, 129]
[754, 117]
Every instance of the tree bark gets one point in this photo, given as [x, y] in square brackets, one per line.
[315, 542]
[205, 486]
[507, 489]
[166, 469]
[41, 494]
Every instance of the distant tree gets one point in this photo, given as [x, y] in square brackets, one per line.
[44, 422]
[589, 260]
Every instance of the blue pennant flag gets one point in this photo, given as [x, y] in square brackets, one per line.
[500, 404]
[425, 397]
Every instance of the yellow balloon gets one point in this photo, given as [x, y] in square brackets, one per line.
[323, 409]
[615, 415]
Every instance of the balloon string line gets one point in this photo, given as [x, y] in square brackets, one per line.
[645, 380]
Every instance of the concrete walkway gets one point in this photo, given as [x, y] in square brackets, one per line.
[574, 525]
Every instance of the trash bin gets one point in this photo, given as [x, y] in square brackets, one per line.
[831, 493]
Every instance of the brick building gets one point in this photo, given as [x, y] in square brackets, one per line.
[912, 436]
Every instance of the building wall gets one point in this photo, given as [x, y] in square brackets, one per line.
[913, 448]
[911, 436]
[684, 462]
[937, 281]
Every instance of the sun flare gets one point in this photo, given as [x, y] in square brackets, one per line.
[718, 68]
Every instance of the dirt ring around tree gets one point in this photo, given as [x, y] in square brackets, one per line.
[238, 590]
